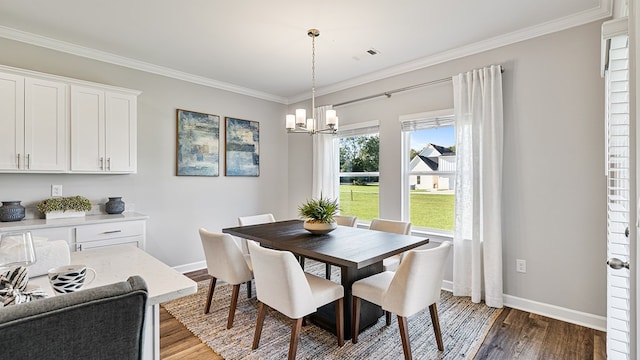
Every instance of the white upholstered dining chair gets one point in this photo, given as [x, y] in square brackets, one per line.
[415, 286]
[392, 226]
[282, 285]
[346, 220]
[226, 262]
[252, 220]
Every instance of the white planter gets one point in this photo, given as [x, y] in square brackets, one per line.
[319, 228]
[64, 214]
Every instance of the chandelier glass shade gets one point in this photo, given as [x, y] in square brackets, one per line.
[299, 122]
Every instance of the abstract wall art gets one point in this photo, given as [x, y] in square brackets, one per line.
[198, 144]
[242, 147]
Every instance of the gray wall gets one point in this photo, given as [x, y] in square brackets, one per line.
[554, 187]
[554, 184]
[177, 206]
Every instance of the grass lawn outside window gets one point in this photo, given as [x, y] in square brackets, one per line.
[428, 209]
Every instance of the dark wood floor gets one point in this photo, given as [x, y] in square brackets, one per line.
[515, 335]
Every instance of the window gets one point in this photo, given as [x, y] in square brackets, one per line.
[429, 169]
[359, 172]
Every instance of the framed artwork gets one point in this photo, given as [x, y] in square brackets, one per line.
[198, 144]
[242, 147]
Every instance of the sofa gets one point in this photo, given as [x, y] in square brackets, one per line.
[104, 322]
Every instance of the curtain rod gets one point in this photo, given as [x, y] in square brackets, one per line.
[389, 93]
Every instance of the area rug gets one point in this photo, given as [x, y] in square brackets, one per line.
[464, 326]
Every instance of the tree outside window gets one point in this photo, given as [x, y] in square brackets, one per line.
[359, 175]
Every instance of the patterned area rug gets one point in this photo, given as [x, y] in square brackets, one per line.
[464, 327]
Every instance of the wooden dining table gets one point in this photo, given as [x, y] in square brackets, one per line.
[358, 253]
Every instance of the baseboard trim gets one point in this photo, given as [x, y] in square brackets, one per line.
[552, 311]
[191, 267]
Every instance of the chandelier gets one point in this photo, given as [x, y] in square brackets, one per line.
[299, 123]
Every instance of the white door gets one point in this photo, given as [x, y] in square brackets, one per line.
[620, 202]
[87, 130]
[121, 132]
[11, 121]
[45, 125]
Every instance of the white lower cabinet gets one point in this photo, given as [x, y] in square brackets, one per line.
[100, 235]
[92, 231]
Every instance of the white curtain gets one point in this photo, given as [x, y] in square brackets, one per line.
[325, 161]
[477, 257]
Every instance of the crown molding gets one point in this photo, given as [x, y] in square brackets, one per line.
[602, 12]
[42, 41]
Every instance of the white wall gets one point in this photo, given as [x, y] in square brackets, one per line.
[554, 212]
[177, 206]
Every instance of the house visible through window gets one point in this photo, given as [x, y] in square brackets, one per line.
[429, 170]
[359, 172]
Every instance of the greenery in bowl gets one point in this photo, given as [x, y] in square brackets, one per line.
[319, 210]
[75, 203]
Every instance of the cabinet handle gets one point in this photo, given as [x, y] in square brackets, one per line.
[101, 163]
[79, 247]
[28, 161]
[112, 232]
[18, 161]
[109, 164]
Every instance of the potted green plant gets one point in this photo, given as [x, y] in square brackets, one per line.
[64, 207]
[318, 214]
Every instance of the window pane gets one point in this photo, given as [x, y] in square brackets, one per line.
[359, 175]
[432, 178]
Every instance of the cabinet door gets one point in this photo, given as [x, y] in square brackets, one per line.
[121, 132]
[45, 126]
[11, 120]
[87, 130]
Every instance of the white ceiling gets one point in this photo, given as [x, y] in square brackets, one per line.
[261, 48]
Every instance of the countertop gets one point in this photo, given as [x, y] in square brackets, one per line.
[32, 224]
[116, 263]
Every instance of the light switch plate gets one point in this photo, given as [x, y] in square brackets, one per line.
[56, 190]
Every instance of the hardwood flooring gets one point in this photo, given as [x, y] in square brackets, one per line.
[515, 335]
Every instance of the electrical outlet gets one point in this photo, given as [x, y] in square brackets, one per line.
[521, 266]
[56, 190]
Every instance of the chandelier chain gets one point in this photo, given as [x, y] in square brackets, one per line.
[313, 79]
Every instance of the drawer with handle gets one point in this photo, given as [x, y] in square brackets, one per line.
[109, 231]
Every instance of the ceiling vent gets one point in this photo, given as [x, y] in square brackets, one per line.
[373, 51]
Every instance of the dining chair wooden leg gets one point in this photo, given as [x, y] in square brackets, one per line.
[436, 326]
[296, 326]
[262, 311]
[212, 286]
[327, 271]
[387, 317]
[340, 321]
[404, 335]
[355, 320]
[232, 308]
[249, 289]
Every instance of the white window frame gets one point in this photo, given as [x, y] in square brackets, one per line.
[413, 122]
[361, 128]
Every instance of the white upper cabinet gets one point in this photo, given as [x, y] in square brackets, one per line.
[103, 131]
[34, 122]
[53, 124]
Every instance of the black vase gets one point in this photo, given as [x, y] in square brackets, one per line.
[115, 205]
[11, 211]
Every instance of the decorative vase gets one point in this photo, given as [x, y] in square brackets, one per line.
[319, 228]
[115, 205]
[11, 211]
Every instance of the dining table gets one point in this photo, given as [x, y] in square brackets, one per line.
[357, 252]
